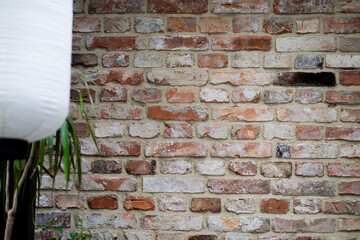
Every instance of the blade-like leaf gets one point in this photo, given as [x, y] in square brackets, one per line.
[51, 149]
[77, 150]
[66, 152]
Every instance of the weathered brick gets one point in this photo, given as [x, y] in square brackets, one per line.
[313, 150]
[245, 24]
[342, 61]
[238, 224]
[180, 60]
[145, 95]
[277, 96]
[214, 95]
[242, 186]
[351, 151]
[212, 61]
[55, 219]
[306, 44]
[45, 200]
[342, 207]
[277, 61]
[306, 114]
[101, 220]
[182, 6]
[245, 131]
[86, 24]
[172, 203]
[179, 43]
[100, 183]
[342, 25]
[106, 166]
[181, 95]
[308, 61]
[349, 188]
[276, 25]
[236, 236]
[172, 185]
[212, 130]
[236, 43]
[87, 60]
[349, 133]
[144, 130]
[244, 168]
[272, 238]
[293, 225]
[242, 113]
[245, 60]
[117, 24]
[113, 111]
[175, 166]
[304, 187]
[309, 96]
[78, 6]
[305, 79]
[241, 205]
[349, 224]
[116, 43]
[273, 205]
[350, 78]
[242, 149]
[283, 150]
[181, 24]
[129, 77]
[103, 202]
[106, 129]
[69, 201]
[75, 96]
[76, 42]
[294, 6]
[246, 95]
[111, 148]
[147, 60]
[307, 206]
[308, 25]
[309, 169]
[203, 237]
[349, 44]
[114, 94]
[210, 167]
[336, 169]
[178, 77]
[182, 130]
[141, 167]
[47, 183]
[342, 97]
[239, 6]
[149, 25]
[110, 60]
[81, 130]
[139, 203]
[205, 204]
[112, 6]
[213, 25]
[193, 113]
[174, 222]
[278, 131]
[170, 236]
[242, 78]
[138, 235]
[276, 169]
[175, 149]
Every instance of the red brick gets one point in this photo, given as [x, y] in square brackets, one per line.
[293, 225]
[349, 188]
[139, 167]
[247, 95]
[244, 168]
[86, 24]
[343, 169]
[183, 130]
[194, 113]
[213, 25]
[116, 43]
[307, 206]
[242, 113]
[100, 183]
[309, 169]
[349, 6]
[215, 131]
[145, 95]
[106, 166]
[309, 96]
[350, 78]
[342, 25]
[81, 130]
[180, 6]
[350, 151]
[179, 42]
[110, 60]
[206, 204]
[242, 186]
[349, 133]
[213, 61]
[245, 131]
[273, 205]
[103, 202]
[75, 97]
[274, 25]
[175, 149]
[242, 78]
[69, 201]
[349, 224]
[245, 24]
[111, 148]
[76, 43]
[242, 149]
[236, 43]
[181, 95]
[139, 203]
[350, 115]
[114, 94]
[214, 95]
[87, 60]
[113, 6]
[240, 6]
[130, 77]
[343, 207]
[181, 24]
[309, 132]
[306, 114]
[295, 6]
[117, 24]
[115, 111]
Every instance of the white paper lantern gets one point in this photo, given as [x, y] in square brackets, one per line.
[35, 56]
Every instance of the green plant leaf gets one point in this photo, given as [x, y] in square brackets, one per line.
[77, 150]
[51, 149]
[60, 229]
[73, 236]
[66, 152]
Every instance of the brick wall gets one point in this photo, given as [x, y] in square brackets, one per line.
[218, 119]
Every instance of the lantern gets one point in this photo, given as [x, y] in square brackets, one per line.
[35, 55]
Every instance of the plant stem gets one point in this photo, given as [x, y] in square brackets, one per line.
[7, 202]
